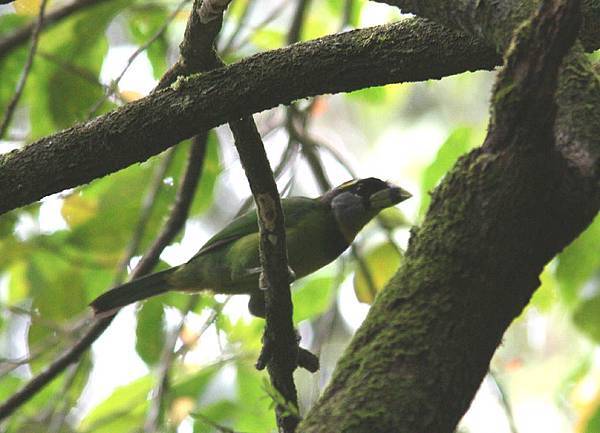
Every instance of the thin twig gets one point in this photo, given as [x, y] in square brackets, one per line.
[154, 416]
[287, 160]
[182, 204]
[12, 105]
[147, 205]
[185, 348]
[348, 8]
[148, 201]
[240, 24]
[280, 348]
[19, 36]
[176, 220]
[220, 428]
[169, 354]
[272, 16]
[80, 72]
[310, 147]
[57, 417]
[504, 401]
[114, 85]
[294, 33]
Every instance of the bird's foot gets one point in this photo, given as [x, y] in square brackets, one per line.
[304, 358]
[262, 282]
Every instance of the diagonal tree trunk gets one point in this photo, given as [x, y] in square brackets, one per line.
[497, 218]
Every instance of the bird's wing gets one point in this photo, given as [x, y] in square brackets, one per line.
[247, 223]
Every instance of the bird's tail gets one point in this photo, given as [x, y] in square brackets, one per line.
[134, 290]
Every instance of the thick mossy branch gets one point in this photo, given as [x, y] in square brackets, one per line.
[498, 217]
[494, 21]
[523, 105]
[422, 352]
[380, 55]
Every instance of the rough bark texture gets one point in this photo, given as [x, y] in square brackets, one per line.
[417, 361]
[280, 347]
[494, 20]
[498, 217]
[395, 53]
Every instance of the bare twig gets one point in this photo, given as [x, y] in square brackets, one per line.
[153, 419]
[67, 358]
[287, 160]
[62, 402]
[183, 202]
[176, 220]
[184, 349]
[12, 105]
[280, 349]
[238, 28]
[211, 423]
[13, 40]
[276, 12]
[295, 30]
[504, 402]
[148, 201]
[114, 85]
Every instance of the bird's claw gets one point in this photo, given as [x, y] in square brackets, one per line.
[304, 359]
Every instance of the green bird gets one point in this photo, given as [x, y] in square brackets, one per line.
[317, 231]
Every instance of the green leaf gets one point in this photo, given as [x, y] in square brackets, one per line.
[373, 95]
[63, 83]
[57, 291]
[268, 38]
[143, 25]
[150, 331]
[12, 64]
[210, 172]
[392, 218]
[258, 416]
[457, 143]
[312, 298]
[194, 385]
[546, 295]
[123, 411]
[382, 262]
[587, 317]
[337, 8]
[7, 224]
[579, 262]
[593, 423]
[19, 285]
[117, 202]
[221, 412]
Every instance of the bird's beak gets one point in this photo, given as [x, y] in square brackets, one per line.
[390, 196]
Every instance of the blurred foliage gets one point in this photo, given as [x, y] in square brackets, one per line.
[58, 255]
[380, 264]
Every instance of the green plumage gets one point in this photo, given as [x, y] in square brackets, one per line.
[317, 231]
[224, 266]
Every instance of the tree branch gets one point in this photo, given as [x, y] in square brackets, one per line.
[12, 105]
[494, 21]
[19, 36]
[396, 53]
[280, 345]
[176, 220]
[497, 218]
